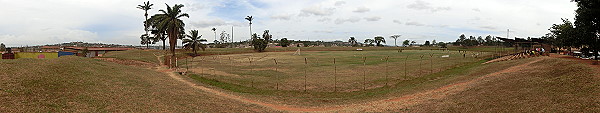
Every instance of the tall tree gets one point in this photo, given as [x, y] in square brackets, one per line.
[268, 37]
[249, 18]
[587, 22]
[146, 38]
[427, 43]
[442, 44]
[259, 43]
[461, 40]
[480, 40]
[406, 42]
[159, 34]
[215, 32]
[369, 41]
[284, 42]
[379, 40]
[352, 41]
[395, 37]
[433, 42]
[2, 47]
[193, 41]
[565, 34]
[170, 21]
[489, 41]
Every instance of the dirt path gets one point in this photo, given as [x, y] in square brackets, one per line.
[402, 102]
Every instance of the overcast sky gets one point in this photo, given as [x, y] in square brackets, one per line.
[35, 22]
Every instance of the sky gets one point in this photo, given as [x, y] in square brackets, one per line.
[39, 22]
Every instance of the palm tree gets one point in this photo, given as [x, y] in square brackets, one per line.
[159, 32]
[249, 18]
[193, 41]
[395, 37]
[215, 31]
[147, 6]
[379, 40]
[170, 22]
[352, 41]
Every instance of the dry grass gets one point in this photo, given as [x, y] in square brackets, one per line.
[138, 55]
[75, 84]
[551, 85]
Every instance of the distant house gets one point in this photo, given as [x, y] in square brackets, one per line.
[50, 48]
[93, 51]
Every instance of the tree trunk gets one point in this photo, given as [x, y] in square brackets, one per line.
[194, 49]
[164, 47]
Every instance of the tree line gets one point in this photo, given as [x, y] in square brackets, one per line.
[584, 33]
[475, 41]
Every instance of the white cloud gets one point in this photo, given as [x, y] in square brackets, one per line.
[374, 18]
[117, 21]
[397, 21]
[212, 23]
[414, 24]
[351, 20]
[282, 16]
[317, 11]
[488, 27]
[324, 19]
[361, 10]
[340, 3]
[422, 5]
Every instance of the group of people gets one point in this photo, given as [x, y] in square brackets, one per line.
[536, 52]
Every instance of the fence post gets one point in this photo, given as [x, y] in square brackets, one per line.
[431, 62]
[386, 70]
[187, 65]
[305, 66]
[405, 65]
[364, 73]
[276, 77]
[232, 64]
[334, 76]
[202, 64]
[421, 64]
[252, 71]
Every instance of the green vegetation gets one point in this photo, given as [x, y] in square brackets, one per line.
[169, 22]
[263, 77]
[193, 41]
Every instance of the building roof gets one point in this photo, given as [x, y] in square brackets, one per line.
[100, 48]
[50, 47]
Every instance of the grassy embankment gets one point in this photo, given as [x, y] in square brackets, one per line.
[550, 85]
[77, 84]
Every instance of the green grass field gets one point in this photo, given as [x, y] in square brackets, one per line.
[260, 71]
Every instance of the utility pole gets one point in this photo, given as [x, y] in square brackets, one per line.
[232, 41]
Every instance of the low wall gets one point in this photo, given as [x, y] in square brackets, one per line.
[40, 55]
